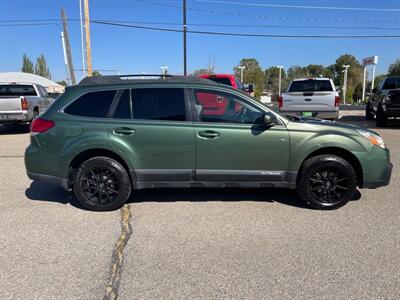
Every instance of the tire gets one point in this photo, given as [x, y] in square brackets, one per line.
[35, 114]
[326, 182]
[102, 184]
[381, 117]
[369, 115]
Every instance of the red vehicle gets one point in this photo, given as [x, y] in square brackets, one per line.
[227, 79]
[212, 106]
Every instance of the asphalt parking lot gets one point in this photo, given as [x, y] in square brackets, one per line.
[197, 243]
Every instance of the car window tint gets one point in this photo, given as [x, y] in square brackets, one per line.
[17, 90]
[221, 80]
[93, 104]
[391, 84]
[159, 104]
[220, 107]
[123, 110]
[311, 85]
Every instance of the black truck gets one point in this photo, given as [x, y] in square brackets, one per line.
[384, 101]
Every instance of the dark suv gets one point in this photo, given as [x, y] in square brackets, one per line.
[384, 101]
[109, 136]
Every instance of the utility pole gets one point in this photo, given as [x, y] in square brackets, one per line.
[65, 57]
[280, 80]
[87, 35]
[241, 72]
[82, 40]
[68, 47]
[373, 77]
[345, 83]
[184, 39]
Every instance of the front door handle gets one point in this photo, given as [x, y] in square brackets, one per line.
[124, 131]
[208, 134]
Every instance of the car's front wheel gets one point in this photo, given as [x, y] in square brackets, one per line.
[326, 182]
[101, 184]
[381, 117]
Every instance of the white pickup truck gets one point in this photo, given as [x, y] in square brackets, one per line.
[22, 102]
[311, 97]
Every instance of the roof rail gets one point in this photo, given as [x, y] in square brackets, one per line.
[130, 78]
[104, 79]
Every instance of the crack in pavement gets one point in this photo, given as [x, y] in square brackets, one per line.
[117, 259]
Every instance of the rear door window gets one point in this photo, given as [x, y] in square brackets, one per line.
[93, 104]
[311, 85]
[17, 90]
[124, 108]
[167, 104]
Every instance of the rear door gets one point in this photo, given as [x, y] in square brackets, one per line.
[310, 95]
[153, 126]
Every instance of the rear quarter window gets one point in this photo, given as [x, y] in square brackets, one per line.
[92, 104]
[311, 86]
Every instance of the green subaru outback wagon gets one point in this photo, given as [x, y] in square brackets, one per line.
[110, 135]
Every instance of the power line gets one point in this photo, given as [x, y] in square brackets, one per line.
[42, 22]
[243, 34]
[301, 6]
[255, 16]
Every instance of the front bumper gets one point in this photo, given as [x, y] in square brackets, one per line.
[384, 178]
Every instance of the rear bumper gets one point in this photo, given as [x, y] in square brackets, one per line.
[63, 182]
[7, 117]
[333, 114]
[392, 111]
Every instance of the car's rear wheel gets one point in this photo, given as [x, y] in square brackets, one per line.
[102, 184]
[381, 117]
[369, 115]
[326, 182]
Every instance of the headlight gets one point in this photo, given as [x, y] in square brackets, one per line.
[373, 138]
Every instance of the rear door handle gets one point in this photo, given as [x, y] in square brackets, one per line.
[208, 134]
[124, 131]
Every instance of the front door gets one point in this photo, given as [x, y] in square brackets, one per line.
[152, 126]
[231, 142]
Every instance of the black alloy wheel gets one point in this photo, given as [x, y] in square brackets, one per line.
[102, 184]
[326, 182]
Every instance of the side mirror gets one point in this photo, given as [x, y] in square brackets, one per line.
[269, 120]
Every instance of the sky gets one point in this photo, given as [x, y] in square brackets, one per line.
[130, 50]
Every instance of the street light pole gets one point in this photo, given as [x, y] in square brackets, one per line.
[280, 80]
[184, 40]
[164, 70]
[345, 83]
[241, 72]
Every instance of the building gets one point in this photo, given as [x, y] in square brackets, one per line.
[21, 77]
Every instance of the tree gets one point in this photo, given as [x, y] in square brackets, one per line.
[200, 72]
[96, 73]
[41, 68]
[354, 74]
[272, 81]
[252, 74]
[296, 71]
[62, 82]
[317, 71]
[27, 65]
[394, 69]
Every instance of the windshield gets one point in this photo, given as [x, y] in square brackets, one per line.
[311, 85]
[17, 90]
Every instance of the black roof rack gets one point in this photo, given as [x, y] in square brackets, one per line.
[137, 78]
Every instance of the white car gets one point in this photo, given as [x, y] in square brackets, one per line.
[311, 97]
[22, 102]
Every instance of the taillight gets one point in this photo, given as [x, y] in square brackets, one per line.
[24, 103]
[337, 101]
[280, 101]
[40, 125]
